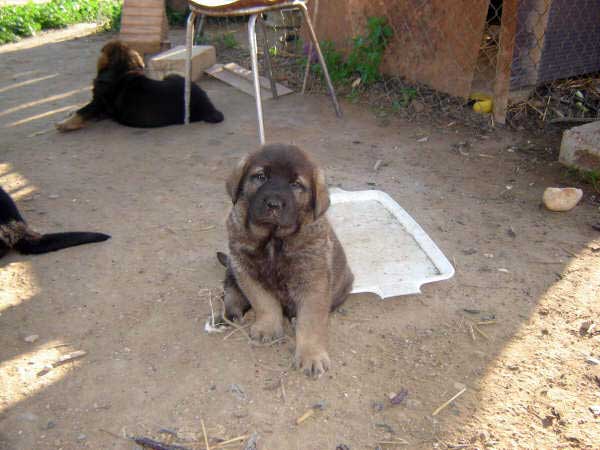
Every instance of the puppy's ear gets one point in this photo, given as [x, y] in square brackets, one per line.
[320, 193]
[234, 182]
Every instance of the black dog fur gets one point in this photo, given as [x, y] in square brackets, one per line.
[123, 93]
[15, 233]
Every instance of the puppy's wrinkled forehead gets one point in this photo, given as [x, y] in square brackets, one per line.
[287, 161]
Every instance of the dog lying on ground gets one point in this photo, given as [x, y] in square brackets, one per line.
[123, 93]
[16, 234]
[285, 258]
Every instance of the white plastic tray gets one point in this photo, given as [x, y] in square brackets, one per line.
[388, 252]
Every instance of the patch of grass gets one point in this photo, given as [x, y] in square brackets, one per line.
[176, 18]
[25, 20]
[229, 40]
[591, 177]
[364, 58]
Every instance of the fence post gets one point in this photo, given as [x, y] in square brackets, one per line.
[508, 31]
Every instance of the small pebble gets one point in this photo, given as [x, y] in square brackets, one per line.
[31, 339]
[378, 406]
[81, 437]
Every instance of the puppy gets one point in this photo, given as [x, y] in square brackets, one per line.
[285, 258]
[123, 93]
[16, 234]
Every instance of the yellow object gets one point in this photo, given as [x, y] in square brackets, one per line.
[483, 102]
[483, 106]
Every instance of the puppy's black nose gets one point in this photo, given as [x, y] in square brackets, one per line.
[274, 203]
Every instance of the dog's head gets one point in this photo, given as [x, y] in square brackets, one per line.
[279, 188]
[118, 57]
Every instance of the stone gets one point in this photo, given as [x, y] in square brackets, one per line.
[173, 61]
[561, 199]
[580, 147]
[32, 338]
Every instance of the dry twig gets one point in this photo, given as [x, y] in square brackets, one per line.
[205, 435]
[445, 404]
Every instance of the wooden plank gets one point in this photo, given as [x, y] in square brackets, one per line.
[136, 37]
[237, 78]
[264, 82]
[508, 31]
[144, 4]
[144, 24]
[153, 31]
[141, 20]
[143, 13]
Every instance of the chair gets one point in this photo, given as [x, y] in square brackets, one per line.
[253, 8]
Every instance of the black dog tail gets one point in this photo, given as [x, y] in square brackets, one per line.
[33, 245]
[223, 259]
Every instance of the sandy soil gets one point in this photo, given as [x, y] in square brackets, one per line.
[137, 303]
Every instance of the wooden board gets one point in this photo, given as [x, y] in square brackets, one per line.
[241, 79]
[508, 32]
[144, 25]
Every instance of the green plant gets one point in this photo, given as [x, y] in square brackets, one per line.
[25, 20]
[176, 18]
[586, 176]
[229, 40]
[364, 58]
[338, 69]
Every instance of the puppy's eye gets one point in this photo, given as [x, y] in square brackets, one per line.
[296, 185]
[259, 177]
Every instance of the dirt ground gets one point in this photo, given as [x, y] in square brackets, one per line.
[137, 303]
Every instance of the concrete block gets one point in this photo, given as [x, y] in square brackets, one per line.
[173, 61]
[580, 147]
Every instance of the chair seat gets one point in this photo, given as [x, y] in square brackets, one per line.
[233, 7]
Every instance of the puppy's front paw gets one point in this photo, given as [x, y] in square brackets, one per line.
[313, 361]
[266, 330]
[71, 123]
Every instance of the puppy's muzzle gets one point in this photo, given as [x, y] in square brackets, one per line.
[274, 205]
[274, 209]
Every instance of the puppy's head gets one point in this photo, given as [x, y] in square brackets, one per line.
[117, 56]
[279, 188]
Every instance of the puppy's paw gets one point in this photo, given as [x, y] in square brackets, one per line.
[313, 361]
[266, 330]
[71, 123]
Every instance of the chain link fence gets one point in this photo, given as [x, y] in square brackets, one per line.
[528, 63]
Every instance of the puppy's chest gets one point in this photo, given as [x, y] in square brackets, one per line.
[274, 266]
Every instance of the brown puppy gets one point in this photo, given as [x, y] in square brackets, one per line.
[284, 256]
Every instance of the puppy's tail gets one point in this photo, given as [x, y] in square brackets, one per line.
[36, 244]
[223, 259]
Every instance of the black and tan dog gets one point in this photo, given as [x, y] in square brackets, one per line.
[16, 234]
[123, 93]
[285, 258]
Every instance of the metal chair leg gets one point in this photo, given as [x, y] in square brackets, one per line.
[313, 36]
[189, 42]
[268, 64]
[255, 76]
[310, 50]
[199, 28]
